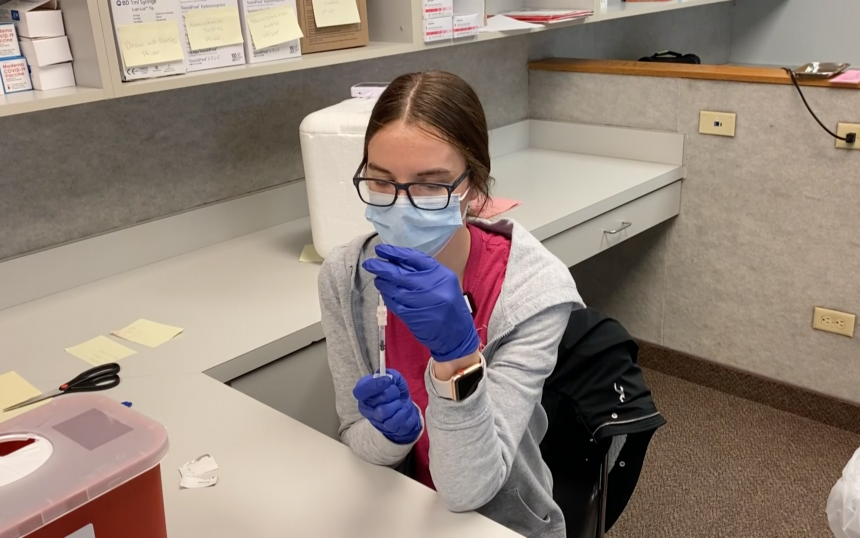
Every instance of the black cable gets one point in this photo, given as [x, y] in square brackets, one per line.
[851, 138]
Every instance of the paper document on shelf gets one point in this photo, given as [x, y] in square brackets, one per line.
[848, 78]
[14, 389]
[496, 206]
[548, 15]
[335, 12]
[149, 43]
[310, 255]
[500, 23]
[100, 350]
[148, 333]
[213, 27]
[273, 26]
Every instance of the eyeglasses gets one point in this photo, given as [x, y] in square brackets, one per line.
[425, 196]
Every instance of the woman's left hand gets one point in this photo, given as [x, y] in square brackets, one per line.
[426, 295]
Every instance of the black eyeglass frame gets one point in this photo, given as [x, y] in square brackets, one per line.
[449, 187]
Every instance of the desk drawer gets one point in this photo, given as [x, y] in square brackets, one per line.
[590, 238]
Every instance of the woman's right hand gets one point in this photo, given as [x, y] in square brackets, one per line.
[385, 402]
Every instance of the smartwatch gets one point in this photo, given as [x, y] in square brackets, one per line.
[462, 384]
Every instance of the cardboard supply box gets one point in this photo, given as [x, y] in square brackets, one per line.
[9, 41]
[438, 29]
[140, 11]
[290, 49]
[215, 57]
[52, 77]
[333, 37]
[48, 51]
[14, 75]
[34, 18]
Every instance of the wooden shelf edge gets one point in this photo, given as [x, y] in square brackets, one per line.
[728, 73]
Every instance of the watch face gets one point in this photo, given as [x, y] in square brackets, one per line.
[468, 382]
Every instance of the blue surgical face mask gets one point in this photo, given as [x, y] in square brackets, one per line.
[404, 225]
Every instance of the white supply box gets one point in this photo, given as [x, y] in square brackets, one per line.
[438, 29]
[368, 90]
[466, 25]
[215, 57]
[47, 51]
[52, 77]
[290, 49]
[34, 18]
[139, 11]
[469, 17]
[432, 9]
[14, 75]
[332, 142]
[9, 41]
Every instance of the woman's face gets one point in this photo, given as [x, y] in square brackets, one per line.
[407, 154]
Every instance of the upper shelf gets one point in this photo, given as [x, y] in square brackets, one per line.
[20, 103]
[308, 61]
[730, 73]
[616, 9]
[394, 30]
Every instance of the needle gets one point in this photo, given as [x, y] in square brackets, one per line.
[382, 320]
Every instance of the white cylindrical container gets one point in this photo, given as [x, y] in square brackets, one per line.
[332, 149]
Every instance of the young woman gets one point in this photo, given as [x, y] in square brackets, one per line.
[476, 311]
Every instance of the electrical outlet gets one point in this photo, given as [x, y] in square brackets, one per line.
[834, 322]
[717, 123]
[843, 129]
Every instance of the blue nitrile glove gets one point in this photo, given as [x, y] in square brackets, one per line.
[385, 402]
[426, 295]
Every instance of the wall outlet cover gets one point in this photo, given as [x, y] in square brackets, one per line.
[843, 129]
[717, 123]
[834, 321]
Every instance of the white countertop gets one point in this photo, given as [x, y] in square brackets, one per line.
[277, 477]
[246, 302]
[565, 189]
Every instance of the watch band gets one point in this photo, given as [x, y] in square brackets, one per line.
[446, 389]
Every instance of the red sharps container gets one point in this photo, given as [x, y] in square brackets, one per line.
[82, 466]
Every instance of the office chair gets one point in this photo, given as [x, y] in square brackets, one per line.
[596, 394]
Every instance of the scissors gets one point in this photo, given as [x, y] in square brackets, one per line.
[102, 377]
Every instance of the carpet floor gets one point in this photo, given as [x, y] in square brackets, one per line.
[729, 467]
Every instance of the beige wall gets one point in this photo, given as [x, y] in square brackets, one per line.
[769, 225]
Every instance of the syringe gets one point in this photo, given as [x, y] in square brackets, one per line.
[382, 321]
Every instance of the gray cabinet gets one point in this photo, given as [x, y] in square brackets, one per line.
[298, 385]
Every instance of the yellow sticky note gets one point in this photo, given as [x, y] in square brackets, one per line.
[213, 27]
[273, 26]
[14, 389]
[335, 12]
[309, 255]
[148, 333]
[100, 350]
[149, 43]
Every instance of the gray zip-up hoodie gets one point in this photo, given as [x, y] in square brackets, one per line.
[484, 451]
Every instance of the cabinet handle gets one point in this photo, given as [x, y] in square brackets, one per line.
[624, 226]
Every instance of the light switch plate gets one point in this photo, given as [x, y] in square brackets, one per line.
[843, 129]
[717, 123]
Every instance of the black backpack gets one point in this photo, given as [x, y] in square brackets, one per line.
[667, 56]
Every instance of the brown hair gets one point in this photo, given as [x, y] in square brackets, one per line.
[444, 106]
